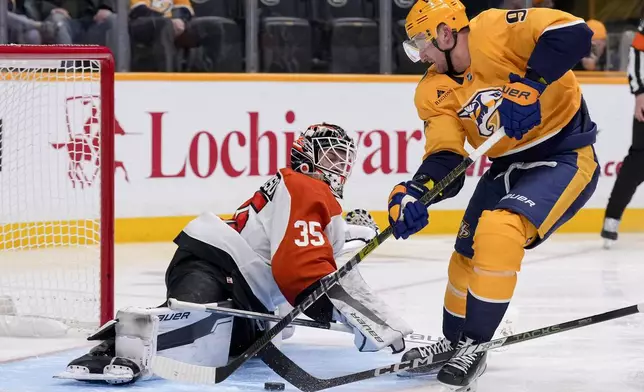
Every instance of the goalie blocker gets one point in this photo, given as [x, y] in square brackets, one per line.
[271, 255]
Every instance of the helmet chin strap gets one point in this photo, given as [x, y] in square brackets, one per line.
[448, 53]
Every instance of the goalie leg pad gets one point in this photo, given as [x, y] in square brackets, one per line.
[101, 363]
[136, 337]
[198, 338]
[375, 326]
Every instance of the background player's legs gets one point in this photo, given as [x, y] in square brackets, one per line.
[630, 176]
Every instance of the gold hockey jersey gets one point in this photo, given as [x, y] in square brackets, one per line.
[463, 107]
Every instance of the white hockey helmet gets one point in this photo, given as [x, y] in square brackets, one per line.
[325, 151]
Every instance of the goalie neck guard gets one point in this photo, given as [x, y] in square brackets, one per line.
[325, 151]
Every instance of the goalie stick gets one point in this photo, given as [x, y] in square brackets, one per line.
[175, 304]
[299, 378]
[180, 371]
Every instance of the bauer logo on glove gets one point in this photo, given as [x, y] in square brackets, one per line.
[520, 110]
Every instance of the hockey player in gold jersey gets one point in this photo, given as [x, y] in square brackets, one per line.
[507, 68]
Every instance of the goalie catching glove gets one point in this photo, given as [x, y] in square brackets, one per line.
[360, 229]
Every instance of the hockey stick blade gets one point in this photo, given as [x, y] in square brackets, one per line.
[221, 373]
[299, 378]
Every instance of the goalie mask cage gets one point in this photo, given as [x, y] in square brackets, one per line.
[56, 189]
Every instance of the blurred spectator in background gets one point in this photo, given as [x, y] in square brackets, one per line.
[596, 61]
[22, 28]
[475, 7]
[161, 31]
[543, 3]
[78, 21]
[519, 4]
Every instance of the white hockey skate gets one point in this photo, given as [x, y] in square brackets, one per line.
[609, 232]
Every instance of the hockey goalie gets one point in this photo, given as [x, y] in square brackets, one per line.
[272, 253]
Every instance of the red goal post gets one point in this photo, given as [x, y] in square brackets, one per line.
[56, 188]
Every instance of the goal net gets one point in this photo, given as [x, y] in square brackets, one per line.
[56, 189]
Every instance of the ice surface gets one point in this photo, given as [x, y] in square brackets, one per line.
[568, 277]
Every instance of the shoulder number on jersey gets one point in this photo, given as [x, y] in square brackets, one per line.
[310, 233]
[516, 16]
[270, 186]
[257, 203]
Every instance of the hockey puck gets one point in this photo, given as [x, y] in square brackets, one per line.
[274, 386]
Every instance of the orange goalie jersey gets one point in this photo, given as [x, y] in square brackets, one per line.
[295, 222]
[284, 238]
[463, 107]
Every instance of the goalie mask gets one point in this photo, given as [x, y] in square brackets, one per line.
[326, 152]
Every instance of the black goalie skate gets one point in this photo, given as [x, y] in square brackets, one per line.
[100, 365]
[441, 346]
[460, 373]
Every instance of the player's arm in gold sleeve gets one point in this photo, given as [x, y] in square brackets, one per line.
[550, 43]
[555, 40]
[444, 150]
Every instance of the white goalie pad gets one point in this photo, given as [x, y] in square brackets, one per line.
[375, 326]
[136, 337]
[195, 337]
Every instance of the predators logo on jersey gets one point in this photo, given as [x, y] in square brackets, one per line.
[482, 110]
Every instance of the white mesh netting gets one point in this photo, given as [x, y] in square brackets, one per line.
[50, 195]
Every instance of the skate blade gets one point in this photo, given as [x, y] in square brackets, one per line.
[467, 388]
[429, 373]
[109, 378]
[471, 387]
[608, 244]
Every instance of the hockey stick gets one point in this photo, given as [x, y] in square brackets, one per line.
[174, 370]
[298, 377]
[175, 304]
